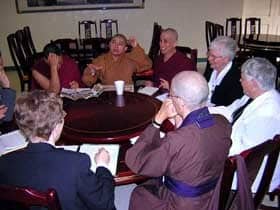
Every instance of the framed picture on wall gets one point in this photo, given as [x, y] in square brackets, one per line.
[26, 6]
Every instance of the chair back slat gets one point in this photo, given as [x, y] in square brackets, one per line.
[154, 49]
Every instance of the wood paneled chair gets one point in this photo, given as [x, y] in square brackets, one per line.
[219, 30]
[252, 26]
[154, 48]
[253, 159]
[109, 26]
[28, 36]
[87, 29]
[234, 28]
[69, 47]
[210, 32]
[20, 62]
[189, 52]
[12, 198]
[210, 35]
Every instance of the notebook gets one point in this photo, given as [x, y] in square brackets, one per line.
[92, 149]
[12, 141]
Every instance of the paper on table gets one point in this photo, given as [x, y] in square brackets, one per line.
[73, 148]
[92, 149]
[162, 97]
[82, 93]
[148, 90]
[12, 141]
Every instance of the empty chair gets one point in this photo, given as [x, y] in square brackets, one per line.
[189, 52]
[87, 29]
[219, 30]
[20, 62]
[30, 42]
[69, 47]
[12, 197]
[253, 159]
[225, 188]
[210, 35]
[154, 48]
[252, 26]
[109, 26]
[234, 28]
[210, 32]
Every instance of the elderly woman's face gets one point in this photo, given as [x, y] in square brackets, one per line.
[216, 60]
[117, 46]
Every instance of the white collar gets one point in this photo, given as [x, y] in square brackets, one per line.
[216, 78]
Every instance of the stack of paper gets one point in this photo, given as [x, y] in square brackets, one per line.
[81, 93]
[148, 90]
[12, 141]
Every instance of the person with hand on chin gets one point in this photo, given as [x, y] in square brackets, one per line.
[190, 158]
[117, 64]
[55, 71]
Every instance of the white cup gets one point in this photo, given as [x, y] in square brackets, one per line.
[119, 85]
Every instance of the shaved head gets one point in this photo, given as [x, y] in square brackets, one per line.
[191, 87]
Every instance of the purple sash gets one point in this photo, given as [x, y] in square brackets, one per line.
[185, 190]
[201, 117]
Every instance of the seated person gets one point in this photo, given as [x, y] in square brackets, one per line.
[7, 95]
[186, 157]
[259, 120]
[40, 117]
[170, 61]
[224, 82]
[117, 64]
[55, 71]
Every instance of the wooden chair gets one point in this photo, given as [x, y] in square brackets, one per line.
[210, 32]
[20, 62]
[234, 28]
[30, 42]
[253, 159]
[12, 197]
[219, 30]
[189, 52]
[109, 25]
[229, 169]
[87, 28]
[252, 26]
[154, 48]
[69, 47]
[92, 48]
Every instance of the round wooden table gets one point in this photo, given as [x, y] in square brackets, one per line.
[108, 118]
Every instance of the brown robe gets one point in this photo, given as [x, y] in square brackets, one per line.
[189, 154]
[121, 69]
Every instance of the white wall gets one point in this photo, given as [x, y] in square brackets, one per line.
[187, 16]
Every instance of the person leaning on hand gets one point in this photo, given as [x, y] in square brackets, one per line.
[117, 64]
[55, 71]
[40, 117]
[191, 158]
